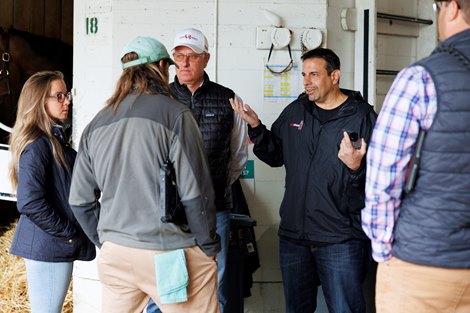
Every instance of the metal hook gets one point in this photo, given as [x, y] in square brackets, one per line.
[6, 57]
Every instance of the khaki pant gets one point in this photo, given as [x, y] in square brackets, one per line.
[128, 279]
[404, 287]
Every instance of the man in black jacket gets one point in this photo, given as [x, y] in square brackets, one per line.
[320, 230]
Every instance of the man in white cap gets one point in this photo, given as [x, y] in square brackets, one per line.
[224, 133]
[115, 193]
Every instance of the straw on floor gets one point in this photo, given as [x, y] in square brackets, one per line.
[13, 286]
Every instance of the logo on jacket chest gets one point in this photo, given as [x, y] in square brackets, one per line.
[297, 125]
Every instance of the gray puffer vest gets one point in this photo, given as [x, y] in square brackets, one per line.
[433, 227]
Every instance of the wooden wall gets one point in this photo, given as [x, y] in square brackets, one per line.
[51, 18]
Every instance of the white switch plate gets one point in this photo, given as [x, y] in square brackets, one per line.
[263, 37]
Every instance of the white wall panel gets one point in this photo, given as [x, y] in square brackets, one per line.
[93, 82]
[400, 43]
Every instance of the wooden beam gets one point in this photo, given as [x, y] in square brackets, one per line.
[22, 15]
[6, 14]
[37, 17]
[53, 18]
[67, 21]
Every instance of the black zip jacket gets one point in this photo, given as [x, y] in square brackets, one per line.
[323, 198]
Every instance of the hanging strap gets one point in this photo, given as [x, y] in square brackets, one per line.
[287, 68]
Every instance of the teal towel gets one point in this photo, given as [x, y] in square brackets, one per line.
[172, 276]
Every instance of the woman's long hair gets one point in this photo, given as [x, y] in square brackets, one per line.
[147, 78]
[32, 120]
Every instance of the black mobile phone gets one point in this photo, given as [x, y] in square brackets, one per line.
[355, 140]
[415, 160]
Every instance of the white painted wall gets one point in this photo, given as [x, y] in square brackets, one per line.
[230, 26]
[6, 190]
[402, 43]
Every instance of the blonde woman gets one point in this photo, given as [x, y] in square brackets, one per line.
[47, 235]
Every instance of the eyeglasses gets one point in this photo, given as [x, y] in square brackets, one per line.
[436, 4]
[192, 57]
[60, 96]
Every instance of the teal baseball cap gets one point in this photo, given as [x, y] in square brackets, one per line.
[148, 49]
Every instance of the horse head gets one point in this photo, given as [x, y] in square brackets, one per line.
[27, 54]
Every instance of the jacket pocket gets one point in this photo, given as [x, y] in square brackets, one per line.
[356, 199]
[66, 248]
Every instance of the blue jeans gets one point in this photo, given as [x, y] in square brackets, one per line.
[341, 269]
[152, 307]
[223, 229]
[48, 283]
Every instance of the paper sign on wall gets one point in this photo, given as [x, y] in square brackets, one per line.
[281, 87]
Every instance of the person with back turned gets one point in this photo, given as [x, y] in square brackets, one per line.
[116, 196]
[421, 238]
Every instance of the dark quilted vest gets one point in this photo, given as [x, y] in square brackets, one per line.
[433, 227]
[214, 116]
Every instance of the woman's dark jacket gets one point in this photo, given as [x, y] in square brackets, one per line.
[47, 230]
[323, 198]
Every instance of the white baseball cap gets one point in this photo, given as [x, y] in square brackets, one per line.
[192, 38]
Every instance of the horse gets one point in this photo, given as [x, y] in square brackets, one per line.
[21, 55]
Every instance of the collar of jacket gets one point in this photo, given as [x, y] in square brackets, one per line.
[181, 87]
[349, 108]
[457, 39]
[59, 133]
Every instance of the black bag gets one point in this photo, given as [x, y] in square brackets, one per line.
[171, 207]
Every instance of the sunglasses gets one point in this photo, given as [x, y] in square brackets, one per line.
[60, 96]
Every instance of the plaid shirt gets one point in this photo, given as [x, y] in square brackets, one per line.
[411, 103]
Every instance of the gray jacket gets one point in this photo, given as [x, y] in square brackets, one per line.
[115, 186]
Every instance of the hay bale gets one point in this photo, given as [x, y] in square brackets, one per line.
[14, 289]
